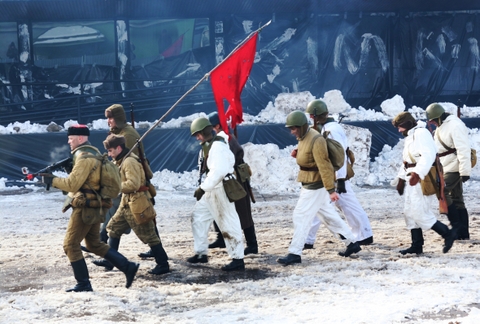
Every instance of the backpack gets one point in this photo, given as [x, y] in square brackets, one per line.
[336, 154]
[110, 180]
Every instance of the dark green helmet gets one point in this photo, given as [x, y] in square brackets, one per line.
[296, 118]
[199, 124]
[434, 111]
[317, 107]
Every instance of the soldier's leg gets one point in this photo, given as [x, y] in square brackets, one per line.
[201, 221]
[147, 234]
[337, 225]
[312, 234]
[116, 227]
[76, 231]
[355, 215]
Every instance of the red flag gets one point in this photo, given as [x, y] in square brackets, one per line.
[228, 80]
[175, 48]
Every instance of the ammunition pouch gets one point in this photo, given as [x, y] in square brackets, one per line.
[244, 172]
[142, 208]
[93, 211]
[429, 184]
[233, 188]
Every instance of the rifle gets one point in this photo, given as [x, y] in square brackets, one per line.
[250, 191]
[141, 154]
[442, 200]
[65, 164]
[201, 170]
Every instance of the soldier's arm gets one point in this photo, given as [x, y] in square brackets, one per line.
[133, 175]
[80, 172]
[324, 165]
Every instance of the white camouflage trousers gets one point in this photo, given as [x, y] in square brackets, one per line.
[418, 208]
[215, 206]
[309, 203]
[354, 213]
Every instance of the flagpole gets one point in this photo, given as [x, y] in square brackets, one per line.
[193, 88]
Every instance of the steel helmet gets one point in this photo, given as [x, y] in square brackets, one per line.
[296, 118]
[434, 111]
[199, 124]
[317, 107]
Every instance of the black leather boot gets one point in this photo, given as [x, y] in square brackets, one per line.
[454, 218]
[351, 248]
[417, 242]
[197, 258]
[236, 264]
[104, 235]
[463, 230]
[290, 259]
[162, 260]
[80, 271]
[447, 234]
[219, 242]
[114, 244]
[121, 263]
[251, 239]
[149, 253]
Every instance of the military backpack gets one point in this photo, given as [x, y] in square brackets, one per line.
[336, 154]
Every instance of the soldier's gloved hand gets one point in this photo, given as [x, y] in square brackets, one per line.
[400, 186]
[46, 178]
[414, 179]
[199, 193]
[341, 186]
[465, 178]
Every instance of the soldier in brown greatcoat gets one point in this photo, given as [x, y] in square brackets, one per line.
[84, 223]
[135, 197]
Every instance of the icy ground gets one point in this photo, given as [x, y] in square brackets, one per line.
[377, 286]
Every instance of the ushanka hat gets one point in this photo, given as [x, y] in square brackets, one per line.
[113, 141]
[117, 112]
[78, 130]
[404, 120]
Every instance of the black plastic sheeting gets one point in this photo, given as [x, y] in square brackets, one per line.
[371, 57]
[171, 149]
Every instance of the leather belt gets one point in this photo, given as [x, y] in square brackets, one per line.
[309, 169]
[447, 152]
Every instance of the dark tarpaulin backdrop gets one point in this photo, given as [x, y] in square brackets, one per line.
[368, 57]
[171, 149]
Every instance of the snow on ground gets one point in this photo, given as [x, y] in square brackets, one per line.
[376, 286]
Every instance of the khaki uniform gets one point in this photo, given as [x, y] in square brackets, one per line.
[310, 158]
[318, 182]
[133, 178]
[77, 229]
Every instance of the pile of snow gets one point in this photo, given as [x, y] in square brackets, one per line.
[274, 170]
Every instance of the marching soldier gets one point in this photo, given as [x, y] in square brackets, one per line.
[318, 190]
[418, 156]
[135, 197]
[242, 206]
[347, 202]
[85, 221]
[454, 150]
[212, 201]
[117, 121]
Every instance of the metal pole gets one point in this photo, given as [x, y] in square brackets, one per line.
[193, 88]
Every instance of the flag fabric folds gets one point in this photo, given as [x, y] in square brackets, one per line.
[175, 48]
[228, 80]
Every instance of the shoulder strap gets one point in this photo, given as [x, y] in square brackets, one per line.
[441, 142]
[313, 140]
